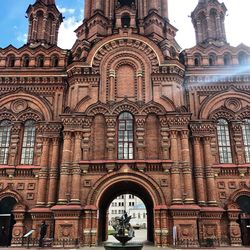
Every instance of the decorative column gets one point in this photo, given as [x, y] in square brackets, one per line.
[14, 142]
[43, 174]
[199, 173]
[175, 170]
[187, 172]
[153, 6]
[98, 5]
[140, 134]
[111, 124]
[53, 174]
[234, 227]
[237, 137]
[211, 195]
[165, 142]
[111, 85]
[164, 6]
[64, 172]
[86, 138]
[76, 171]
[140, 85]
[45, 20]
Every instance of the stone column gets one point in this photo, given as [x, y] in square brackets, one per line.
[140, 85]
[187, 172]
[153, 5]
[211, 195]
[45, 21]
[111, 85]
[64, 172]
[199, 173]
[164, 6]
[53, 174]
[43, 174]
[98, 5]
[175, 170]
[86, 138]
[76, 178]
[87, 8]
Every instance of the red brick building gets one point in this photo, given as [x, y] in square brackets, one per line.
[124, 111]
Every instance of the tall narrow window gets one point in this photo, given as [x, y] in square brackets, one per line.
[29, 135]
[224, 141]
[125, 136]
[5, 127]
[246, 138]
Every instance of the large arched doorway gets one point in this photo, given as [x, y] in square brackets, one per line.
[244, 204]
[122, 188]
[6, 220]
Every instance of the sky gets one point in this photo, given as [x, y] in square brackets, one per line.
[14, 24]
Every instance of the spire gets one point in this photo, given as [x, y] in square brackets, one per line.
[208, 20]
[44, 23]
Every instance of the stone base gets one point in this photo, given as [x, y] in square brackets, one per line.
[119, 246]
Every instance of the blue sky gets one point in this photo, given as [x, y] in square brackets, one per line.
[14, 25]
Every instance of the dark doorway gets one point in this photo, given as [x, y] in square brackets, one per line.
[6, 220]
[118, 189]
[244, 204]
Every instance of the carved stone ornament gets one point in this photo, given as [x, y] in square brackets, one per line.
[19, 105]
[233, 104]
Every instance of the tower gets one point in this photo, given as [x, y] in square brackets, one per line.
[44, 22]
[208, 20]
[127, 17]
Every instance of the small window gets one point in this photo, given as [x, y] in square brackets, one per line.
[242, 58]
[40, 61]
[212, 60]
[26, 61]
[224, 142]
[29, 135]
[5, 127]
[125, 20]
[126, 3]
[54, 61]
[125, 136]
[227, 59]
[246, 138]
[11, 59]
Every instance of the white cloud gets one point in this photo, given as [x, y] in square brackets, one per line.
[66, 10]
[67, 36]
[22, 38]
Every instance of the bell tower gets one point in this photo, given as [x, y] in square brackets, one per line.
[44, 22]
[103, 18]
[208, 20]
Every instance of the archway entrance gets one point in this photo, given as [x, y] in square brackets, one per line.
[244, 204]
[6, 220]
[118, 189]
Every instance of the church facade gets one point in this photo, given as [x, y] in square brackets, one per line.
[125, 111]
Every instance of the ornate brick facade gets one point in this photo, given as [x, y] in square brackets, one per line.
[125, 111]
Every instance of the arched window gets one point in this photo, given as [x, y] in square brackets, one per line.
[25, 61]
[5, 127]
[40, 61]
[197, 60]
[242, 58]
[54, 61]
[29, 135]
[224, 143]
[125, 136]
[11, 59]
[125, 19]
[227, 59]
[246, 138]
[212, 60]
